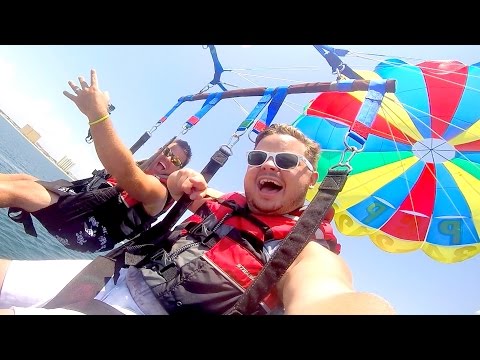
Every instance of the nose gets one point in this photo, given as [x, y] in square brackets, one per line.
[269, 163]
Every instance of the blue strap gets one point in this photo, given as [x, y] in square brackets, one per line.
[267, 96]
[179, 102]
[209, 103]
[272, 110]
[360, 128]
[217, 67]
[277, 101]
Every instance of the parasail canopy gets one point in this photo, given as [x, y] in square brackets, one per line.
[416, 183]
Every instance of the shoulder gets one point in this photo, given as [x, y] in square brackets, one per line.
[217, 204]
[235, 196]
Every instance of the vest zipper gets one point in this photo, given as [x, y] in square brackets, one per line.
[174, 254]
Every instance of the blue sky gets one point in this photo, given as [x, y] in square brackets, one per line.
[144, 82]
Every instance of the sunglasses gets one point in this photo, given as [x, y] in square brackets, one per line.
[174, 159]
[282, 160]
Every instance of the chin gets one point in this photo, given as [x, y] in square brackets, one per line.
[161, 172]
[267, 207]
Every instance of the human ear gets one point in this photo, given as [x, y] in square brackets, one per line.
[313, 179]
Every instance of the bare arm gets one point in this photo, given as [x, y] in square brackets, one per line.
[320, 282]
[114, 155]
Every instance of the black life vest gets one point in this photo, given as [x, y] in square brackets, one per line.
[122, 218]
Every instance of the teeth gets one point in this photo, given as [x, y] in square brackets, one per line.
[263, 181]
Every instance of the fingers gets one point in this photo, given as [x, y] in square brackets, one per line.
[70, 96]
[195, 186]
[74, 87]
[198, 182]
[82, 82]
[84, 85]
[93, 78]
[196, 195]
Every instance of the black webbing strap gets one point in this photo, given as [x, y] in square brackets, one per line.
[23, 217]
[86, 284]
[293, 244]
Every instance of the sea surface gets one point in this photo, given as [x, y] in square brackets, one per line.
[18, 155]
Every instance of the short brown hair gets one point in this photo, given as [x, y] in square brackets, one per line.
[312, 149]
[186, 148]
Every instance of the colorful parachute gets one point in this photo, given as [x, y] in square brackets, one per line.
[416, 184]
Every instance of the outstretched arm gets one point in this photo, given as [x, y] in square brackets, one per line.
[114, 155]
[320, 282]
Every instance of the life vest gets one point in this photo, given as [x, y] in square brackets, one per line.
[91, 220]
[216, 254]
[100, 180]
[130, 201]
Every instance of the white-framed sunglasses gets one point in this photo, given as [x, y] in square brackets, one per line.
[282, 160]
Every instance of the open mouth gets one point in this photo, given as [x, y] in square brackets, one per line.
[269, 186]
[161, 165]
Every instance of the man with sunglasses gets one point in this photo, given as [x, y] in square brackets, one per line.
[208, 261]
[280, 171]
[127, 202]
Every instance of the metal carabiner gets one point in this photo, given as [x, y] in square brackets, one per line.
[233, 140]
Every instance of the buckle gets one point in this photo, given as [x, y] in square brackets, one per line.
[161, 261]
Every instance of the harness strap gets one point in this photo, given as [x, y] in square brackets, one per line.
[293, 244]
[23, 217]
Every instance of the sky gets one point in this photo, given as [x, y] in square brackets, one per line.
[145, 82]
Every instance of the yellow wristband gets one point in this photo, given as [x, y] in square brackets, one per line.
[99, 120]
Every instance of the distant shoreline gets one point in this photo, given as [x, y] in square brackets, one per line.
[39, 148]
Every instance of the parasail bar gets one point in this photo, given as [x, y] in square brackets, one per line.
[305, 88]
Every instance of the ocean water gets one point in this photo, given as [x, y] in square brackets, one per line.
[18, 155]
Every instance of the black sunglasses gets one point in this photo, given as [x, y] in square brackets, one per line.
[283, 160]
[174, 159]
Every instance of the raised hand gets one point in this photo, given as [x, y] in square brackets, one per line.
[90, 100]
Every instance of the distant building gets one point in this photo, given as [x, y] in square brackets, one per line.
[65, 163]
[30, 133]
[33, 136]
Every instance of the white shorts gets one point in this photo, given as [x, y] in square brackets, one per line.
[29, 284]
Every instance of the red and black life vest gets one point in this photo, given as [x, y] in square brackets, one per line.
[216, 254]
